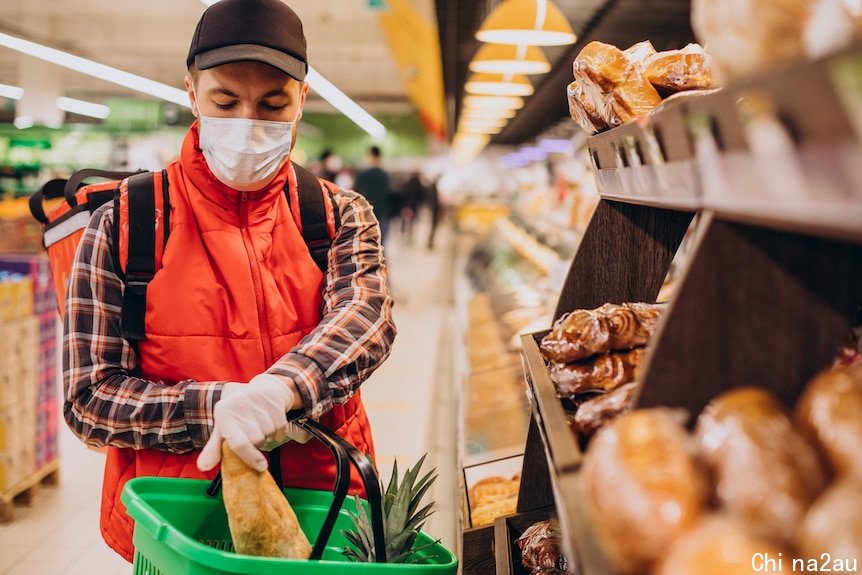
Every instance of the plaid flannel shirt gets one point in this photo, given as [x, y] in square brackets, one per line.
[105, 405]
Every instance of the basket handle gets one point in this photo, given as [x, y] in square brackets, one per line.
[344, 454]
[51, 190]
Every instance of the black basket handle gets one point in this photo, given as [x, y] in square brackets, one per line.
[344, 454]
[74, 182]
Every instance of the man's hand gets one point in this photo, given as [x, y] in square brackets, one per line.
[251, 416]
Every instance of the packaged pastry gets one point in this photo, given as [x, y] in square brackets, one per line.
[583, 110]
[830, 411]
[585, 333]
[486, 513]
[603, 65]
[633, 97]
[540, 548]
[604, 372]
[491, 489]
[642, 487]
[595, 412]
[679, 70]
[766, 473]
[718, 545]
[833, 526]
[638, 53]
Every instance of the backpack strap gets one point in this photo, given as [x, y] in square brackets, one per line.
[143, 209]
[319, 218]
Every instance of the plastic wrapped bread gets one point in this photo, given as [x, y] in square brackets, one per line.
[748, 36]
[833, 525]
[604, 372]
[540, 548]
[638, 53]
[680, 70]
[830, 411]
[583, 110]
[585, 333]
[597, 411]
[602, 65]
[642, 487]
[718, 545]
[260, 519]
[766, 472]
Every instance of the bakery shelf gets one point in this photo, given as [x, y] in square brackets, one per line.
[507, 530]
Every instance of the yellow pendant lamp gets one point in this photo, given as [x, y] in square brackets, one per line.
[470, 112]
[498, 85]
[527, 22]
[510, 59]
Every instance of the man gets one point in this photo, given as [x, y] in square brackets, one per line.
[241, 325]
[373, 183]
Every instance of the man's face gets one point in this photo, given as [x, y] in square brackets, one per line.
[250, 90]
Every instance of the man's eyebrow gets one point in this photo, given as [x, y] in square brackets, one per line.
[277, 92]
[224, 91]
[270, 94]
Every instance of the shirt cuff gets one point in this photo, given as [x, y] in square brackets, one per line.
[309, 379]
[198, 403]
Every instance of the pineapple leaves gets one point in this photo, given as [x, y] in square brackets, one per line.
[403, 519]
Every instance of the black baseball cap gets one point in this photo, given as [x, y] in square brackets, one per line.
[267, 31]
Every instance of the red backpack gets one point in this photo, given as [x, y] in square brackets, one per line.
[149, 228]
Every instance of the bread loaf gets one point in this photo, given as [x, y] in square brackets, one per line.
[583, 110]
[540, 549]
[833, 525]
[766, 473]
[597, 411]
[261, 520]
[602, 65]
[830, 411]
[718, 545]
[679, 70]
[642, 487]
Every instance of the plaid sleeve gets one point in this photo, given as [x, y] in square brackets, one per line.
[103, 404]
[357, 331]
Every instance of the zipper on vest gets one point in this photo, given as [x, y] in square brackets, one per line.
[262, 318]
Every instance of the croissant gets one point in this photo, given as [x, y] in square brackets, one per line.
[605, 372]
[595, 412]
[261, 520]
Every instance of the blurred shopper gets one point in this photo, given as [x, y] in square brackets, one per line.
[241, 324]
[432, 200]
[412, 194]
[330, 165]
[373, 183]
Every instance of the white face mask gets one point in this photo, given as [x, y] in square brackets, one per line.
[245, 154]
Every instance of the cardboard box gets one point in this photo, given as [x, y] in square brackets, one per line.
[10, 431]
[38, 269]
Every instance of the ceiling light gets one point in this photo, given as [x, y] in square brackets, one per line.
[11, 92]
[493, 122]
[484, 113]
[498, 85]
[509, 59]
[533, 22]
[83, 108]
[339, 100]
[471, 128]
[494, 102]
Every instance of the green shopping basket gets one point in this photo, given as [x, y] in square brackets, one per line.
[181, 525]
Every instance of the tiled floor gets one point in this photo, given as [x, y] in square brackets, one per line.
[410, 402]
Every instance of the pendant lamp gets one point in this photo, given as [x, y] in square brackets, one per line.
[498, 85]
[494, 102]
[509, 59]
[470, 112]
[528, 22]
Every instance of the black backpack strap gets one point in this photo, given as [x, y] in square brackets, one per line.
[314, 202]
[141, 265]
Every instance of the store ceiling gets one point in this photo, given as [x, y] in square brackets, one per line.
[346, 44]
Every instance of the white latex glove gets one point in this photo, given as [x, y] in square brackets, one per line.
[250, 417]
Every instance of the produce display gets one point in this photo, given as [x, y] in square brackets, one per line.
[613, 86]
[540, 549]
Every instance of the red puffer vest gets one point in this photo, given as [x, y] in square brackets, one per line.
[236, 291]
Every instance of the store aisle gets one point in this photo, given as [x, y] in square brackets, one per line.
[409, 401]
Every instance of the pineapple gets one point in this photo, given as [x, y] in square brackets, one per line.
[402, 519]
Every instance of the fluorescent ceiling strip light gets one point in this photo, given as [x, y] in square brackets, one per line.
[101, 71]
[339, 100]
[11, 92]
[83, 108]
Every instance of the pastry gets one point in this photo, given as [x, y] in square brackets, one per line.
[260, 519]
[638, 53]
[642, 487]
[678, 70]
[833, 525]
[604, 372]
[493, 489]
[585, 333]
[830, 411]
[583, 109]
[602, 64]
[486, 513]
[540, 548]
[634, 96]
[718, 545]
[766, 472]
[597, 411]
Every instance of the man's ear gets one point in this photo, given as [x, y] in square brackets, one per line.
[303, 93]
[190, 88]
